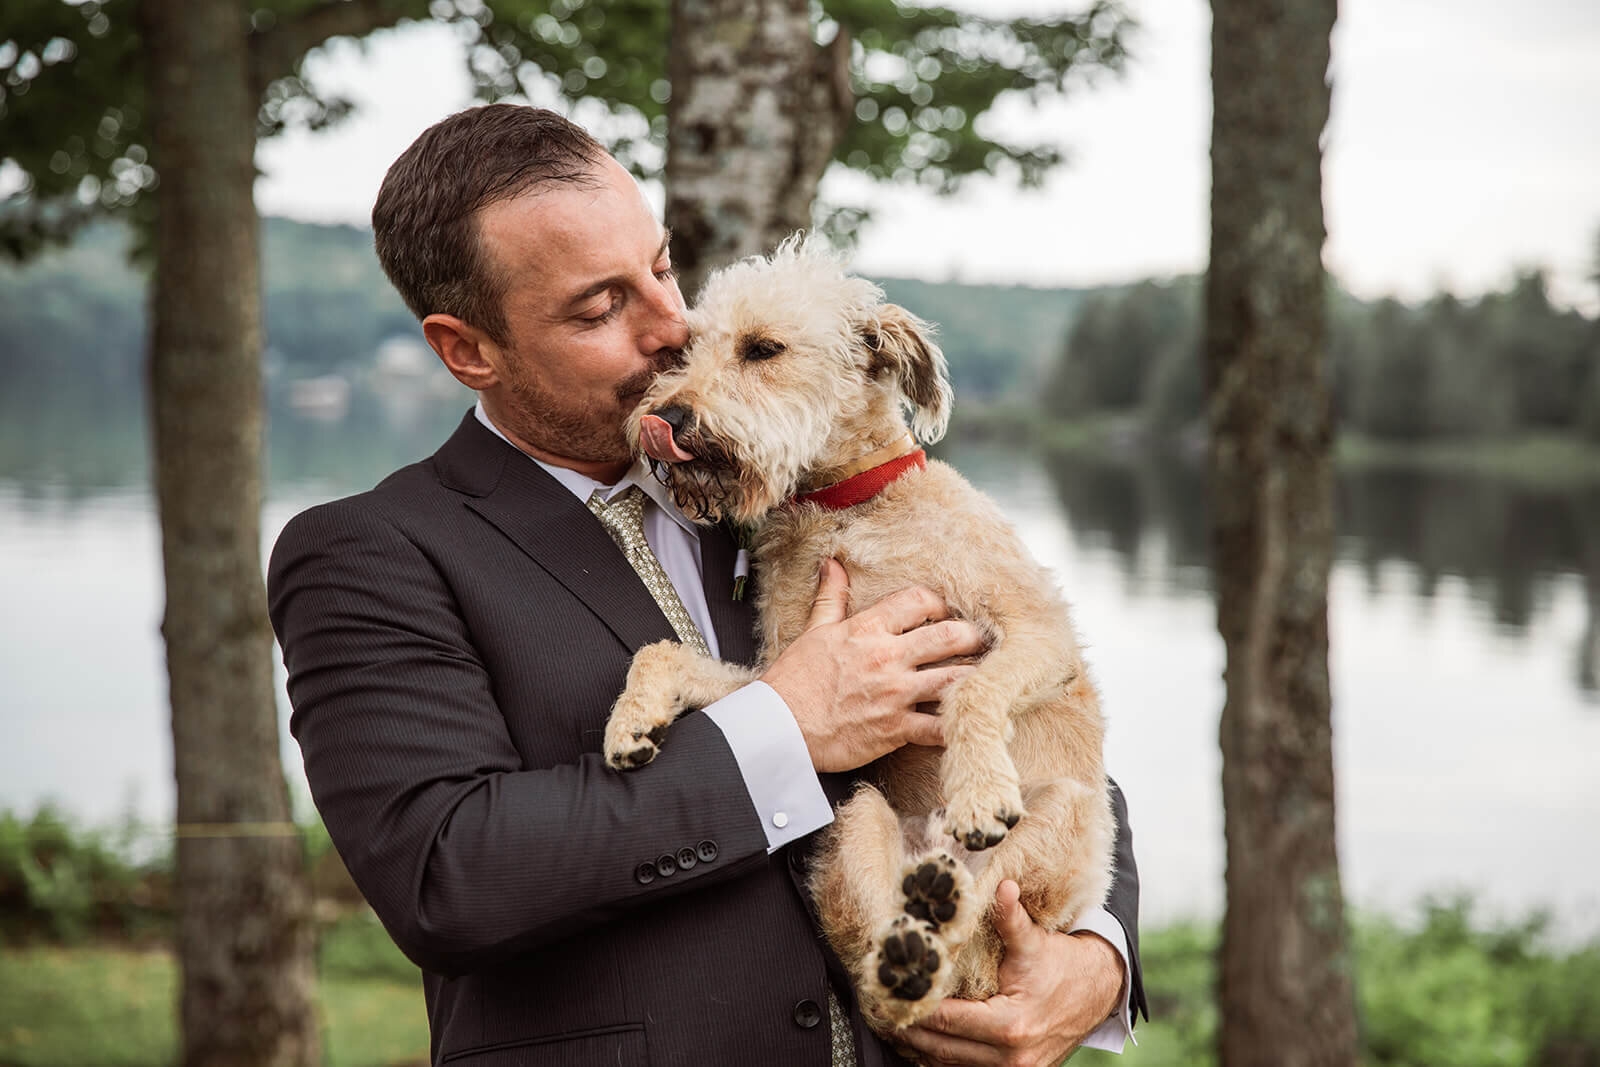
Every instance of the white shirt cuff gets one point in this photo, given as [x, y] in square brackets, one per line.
[1113, 1034]
[774, 761]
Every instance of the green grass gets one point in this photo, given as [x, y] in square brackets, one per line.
[115, 1007]
[101, 1007]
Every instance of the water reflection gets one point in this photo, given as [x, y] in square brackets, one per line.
[1510, 543]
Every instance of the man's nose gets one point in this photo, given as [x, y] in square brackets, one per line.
[667, 327]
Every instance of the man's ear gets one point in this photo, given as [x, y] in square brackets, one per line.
[466, 351]
[901, 344]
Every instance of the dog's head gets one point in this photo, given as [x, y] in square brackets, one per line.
[792, 366]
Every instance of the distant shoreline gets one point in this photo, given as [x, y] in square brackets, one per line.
[1544, 460]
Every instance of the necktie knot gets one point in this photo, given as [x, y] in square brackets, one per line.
[623, 517]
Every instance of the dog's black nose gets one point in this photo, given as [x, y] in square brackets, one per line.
[674, 415]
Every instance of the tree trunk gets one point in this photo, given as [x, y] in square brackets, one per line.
[245, 940]
[756, 112]
[1285, 987]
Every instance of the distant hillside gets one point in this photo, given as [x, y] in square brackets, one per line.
[80, 310]
[1000, 339]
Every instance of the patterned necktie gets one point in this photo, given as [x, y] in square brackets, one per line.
[623, 519]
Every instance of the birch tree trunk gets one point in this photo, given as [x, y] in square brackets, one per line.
[244, 936]
[757, 109]
[1285, 987]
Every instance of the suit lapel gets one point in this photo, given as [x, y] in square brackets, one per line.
[734, 620]
[545, 520]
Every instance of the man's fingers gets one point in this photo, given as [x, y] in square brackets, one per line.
[833, 590]
[977, 1020]
[962, 1031]
[906, 610]
[923, 729]
[942, 640]
[930, 685]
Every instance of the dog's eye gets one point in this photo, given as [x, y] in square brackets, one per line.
[754, 348]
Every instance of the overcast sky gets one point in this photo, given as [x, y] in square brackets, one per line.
[1465, 141]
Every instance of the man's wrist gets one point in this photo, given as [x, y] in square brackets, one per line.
[1107, 971]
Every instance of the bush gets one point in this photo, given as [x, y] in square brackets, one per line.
[1446, 991]
[61, 883]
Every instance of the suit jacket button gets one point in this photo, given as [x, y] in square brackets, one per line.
[686, 858]
[645, 873]
[797, 861]
[706, 850]
[807, 1014]
[666, 866]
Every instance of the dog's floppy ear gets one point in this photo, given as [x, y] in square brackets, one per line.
[901, 344]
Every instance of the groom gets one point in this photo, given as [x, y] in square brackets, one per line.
[454, 639]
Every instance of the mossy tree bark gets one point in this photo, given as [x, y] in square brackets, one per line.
[757, 110]
[1285, 978]
[245, 940]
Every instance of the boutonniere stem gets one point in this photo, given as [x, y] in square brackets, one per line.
[744, 537]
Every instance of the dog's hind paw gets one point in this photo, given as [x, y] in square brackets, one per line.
[933, 889]
[906, 966]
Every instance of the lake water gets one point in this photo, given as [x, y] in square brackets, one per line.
[1464, 650]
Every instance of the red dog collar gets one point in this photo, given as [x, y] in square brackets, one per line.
[860, 488]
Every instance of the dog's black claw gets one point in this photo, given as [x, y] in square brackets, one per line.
[931, 892]
[908, 962]
[978, 840]
[1010, 818]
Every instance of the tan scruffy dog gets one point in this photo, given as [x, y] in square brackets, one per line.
[793, 383]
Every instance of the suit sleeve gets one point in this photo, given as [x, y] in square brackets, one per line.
[468, 857]
[1123, 900]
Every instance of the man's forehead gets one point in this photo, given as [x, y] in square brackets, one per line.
[567, 233]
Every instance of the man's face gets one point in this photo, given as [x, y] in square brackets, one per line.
[593, 313]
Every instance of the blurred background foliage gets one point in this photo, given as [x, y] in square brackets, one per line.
[1504, 363]
[74, 135]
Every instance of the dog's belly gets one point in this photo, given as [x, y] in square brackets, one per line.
[909, 780]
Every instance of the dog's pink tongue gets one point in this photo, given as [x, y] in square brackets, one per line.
[655, 433]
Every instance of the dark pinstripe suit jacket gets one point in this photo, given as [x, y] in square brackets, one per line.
[454, 639]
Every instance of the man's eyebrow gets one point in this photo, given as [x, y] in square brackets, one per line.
[606, 283]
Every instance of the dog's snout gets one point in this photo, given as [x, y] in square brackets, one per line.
[674, 415]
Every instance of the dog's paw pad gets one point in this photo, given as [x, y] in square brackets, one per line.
[978, 832]
[634, 749]
[908, 959]
[931, 890]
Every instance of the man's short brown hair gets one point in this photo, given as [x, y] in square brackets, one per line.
[424, 222]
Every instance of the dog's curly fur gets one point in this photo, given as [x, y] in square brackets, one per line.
[794, 370]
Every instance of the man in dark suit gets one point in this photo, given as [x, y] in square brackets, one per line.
[455, 637]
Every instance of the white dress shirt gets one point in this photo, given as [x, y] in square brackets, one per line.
[762, 733]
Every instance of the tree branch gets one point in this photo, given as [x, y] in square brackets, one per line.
[275, 51]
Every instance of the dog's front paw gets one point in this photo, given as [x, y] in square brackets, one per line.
[908, 962]
[980, 821]
[630, 743]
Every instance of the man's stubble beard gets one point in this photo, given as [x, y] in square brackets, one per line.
[558, 428]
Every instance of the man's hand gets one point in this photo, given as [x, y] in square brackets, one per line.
[1055, 989]
[854, 684]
